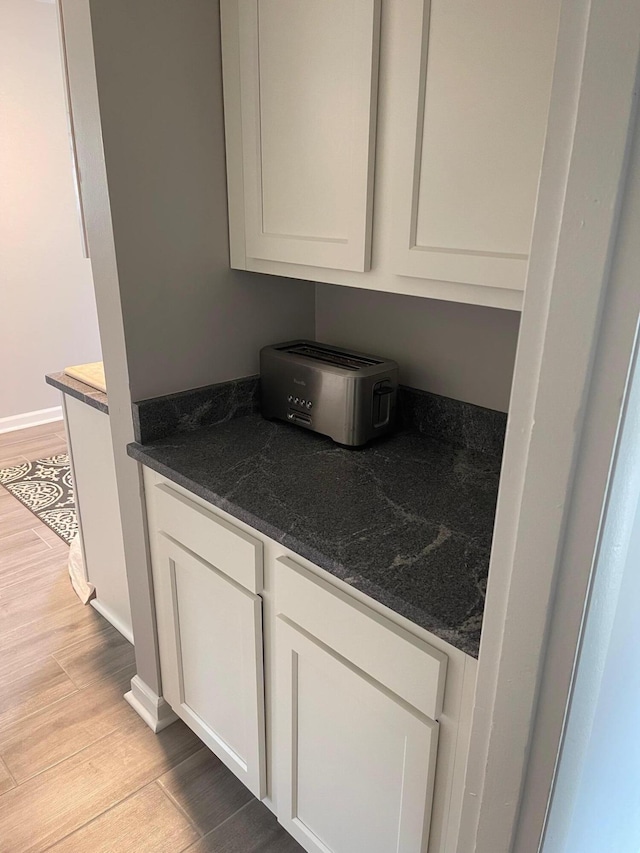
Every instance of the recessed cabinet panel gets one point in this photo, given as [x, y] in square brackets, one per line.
[211, 631]
[355, 763]
[308, 83]
[478, 80]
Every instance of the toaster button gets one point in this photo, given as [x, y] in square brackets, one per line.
[290, 398]
[296, 400]
[309, 404]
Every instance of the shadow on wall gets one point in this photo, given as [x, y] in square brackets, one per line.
[462, 351]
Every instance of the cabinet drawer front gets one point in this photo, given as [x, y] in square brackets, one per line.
[226, 547]
[406, 665]
[210, 633]
[355, 764]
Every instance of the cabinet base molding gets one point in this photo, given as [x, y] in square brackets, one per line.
[30, 419]
[153, 709]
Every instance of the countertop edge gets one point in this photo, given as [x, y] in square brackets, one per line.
[459, 641]
[79, 390]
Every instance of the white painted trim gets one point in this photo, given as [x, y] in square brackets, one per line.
[81, 64]
[30, 419]
[599, 435]
[75, 481]
[153, 709]
[613, 560]
[583, 173]
[110, 616]
[71, 130]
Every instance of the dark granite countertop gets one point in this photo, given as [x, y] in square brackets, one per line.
[407, 520]
[77, 389]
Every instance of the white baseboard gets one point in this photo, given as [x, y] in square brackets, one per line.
[30, 419]
[110, 616]
[153, 709]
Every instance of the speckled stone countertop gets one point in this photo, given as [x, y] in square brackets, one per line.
[77, 389]
[407, 520]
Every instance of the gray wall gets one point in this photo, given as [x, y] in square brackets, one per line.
[47, 303]
[147, 98]
[188, 319]
[460, 351]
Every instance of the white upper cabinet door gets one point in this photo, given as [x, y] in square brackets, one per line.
[210, 635]
[354, 763]
[303, 77]
[477, 82]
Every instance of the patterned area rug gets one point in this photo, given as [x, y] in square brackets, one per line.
[45, 487]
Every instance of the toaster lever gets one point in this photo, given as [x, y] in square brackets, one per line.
[382, 403]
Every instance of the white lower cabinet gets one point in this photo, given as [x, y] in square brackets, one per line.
[355, 761]
[366, 747]
[355, 764]
[210, 635]
[98, 507]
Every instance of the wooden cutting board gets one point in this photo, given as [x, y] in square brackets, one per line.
[91, 374]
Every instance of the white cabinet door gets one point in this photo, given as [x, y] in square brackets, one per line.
[477, 82]
[355, 764]
[98, 507]
[300, 112]
[210, 634]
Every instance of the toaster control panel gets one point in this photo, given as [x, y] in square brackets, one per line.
[298, 401]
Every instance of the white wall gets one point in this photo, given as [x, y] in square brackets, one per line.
[462, 351]
[47, 306]
[596, 801]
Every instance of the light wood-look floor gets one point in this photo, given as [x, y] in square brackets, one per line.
[79, 770]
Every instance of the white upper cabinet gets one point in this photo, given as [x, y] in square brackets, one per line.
[451, 96]
[308, 78]
[477, 85]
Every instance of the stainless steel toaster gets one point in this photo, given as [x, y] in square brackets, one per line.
[346, 395]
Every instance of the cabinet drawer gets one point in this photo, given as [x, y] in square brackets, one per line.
[406, 665]
[225, 546]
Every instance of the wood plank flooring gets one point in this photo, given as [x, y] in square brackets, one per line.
[79, 770]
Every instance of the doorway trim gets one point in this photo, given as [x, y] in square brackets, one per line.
[576, 340]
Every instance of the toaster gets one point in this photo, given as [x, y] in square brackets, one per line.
[346, 395]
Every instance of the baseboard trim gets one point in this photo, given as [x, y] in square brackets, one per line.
[153, 709]
[110, 616]
[30, 419]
